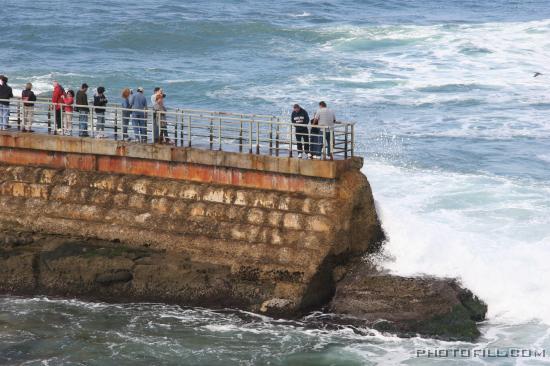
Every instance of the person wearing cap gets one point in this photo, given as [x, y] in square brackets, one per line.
[300, 120]
[138, 102]
[83, 110]
[100, 101]
[6, 93]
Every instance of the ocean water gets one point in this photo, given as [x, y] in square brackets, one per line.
[454, 128]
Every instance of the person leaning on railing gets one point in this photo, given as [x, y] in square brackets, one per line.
[300, 119]
[6, 93]
[81, 102]
[28, 96]
[159, 118]
[326, 118]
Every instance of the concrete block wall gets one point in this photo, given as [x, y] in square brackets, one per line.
[288, 235]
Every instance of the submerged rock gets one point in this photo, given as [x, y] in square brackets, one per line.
[408, 306]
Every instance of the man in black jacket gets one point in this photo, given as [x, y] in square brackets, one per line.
[28, 97]
[300, 119]
[81, 101]
[100, 100]
[5, 93]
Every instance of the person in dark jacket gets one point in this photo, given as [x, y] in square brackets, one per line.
[6, 93]
[100, 100]
[300, 120]
[83, 110]
[28, 97]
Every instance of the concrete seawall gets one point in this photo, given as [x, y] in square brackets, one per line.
[275, 227]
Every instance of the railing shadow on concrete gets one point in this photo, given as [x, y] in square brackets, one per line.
[202, 129]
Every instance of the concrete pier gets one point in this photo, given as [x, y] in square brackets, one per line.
[276, 227]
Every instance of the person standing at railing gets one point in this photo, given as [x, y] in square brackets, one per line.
[126, 113]
[57, 96]
[138, 102]
[28, 96]
[315, 140]
[154, 96]
[160, 132]
[6, 93]
[100, 100]
[300, 120]
[325, 119]
[81, 102]
[68, 101]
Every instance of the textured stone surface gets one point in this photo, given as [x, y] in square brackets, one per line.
[95, 269]
[407, 305]
[284, 238]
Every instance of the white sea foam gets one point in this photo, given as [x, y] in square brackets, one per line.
[490, 232]
[301, 15]
[445, 55]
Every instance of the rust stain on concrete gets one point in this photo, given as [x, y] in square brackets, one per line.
[264, 163]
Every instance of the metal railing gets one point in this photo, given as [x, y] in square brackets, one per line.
[224, 131]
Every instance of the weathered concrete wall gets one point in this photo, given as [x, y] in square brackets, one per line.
[280, 223]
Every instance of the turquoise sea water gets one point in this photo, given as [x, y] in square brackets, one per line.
[454, 127]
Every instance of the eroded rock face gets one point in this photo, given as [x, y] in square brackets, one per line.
[407, 305]
[94, 269]
[33, 264]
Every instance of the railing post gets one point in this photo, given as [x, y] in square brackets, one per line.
[189, 131]
[159, 128]
[49, 119]
[258, 138]
[182, 129]
[346, 142]
[241, 134]
[250, 137]
[291, 142]
[18, 115]
[277, 135]
[61, 117]
[176, 128]
[324, 133]
[331, 142]
[352, 140]
[271, 136]
[310, 151]
[92, 121]
[116, 123]
[220, 134]
[211, 137]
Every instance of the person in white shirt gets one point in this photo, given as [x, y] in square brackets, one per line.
[154, 96]
[325, 117]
